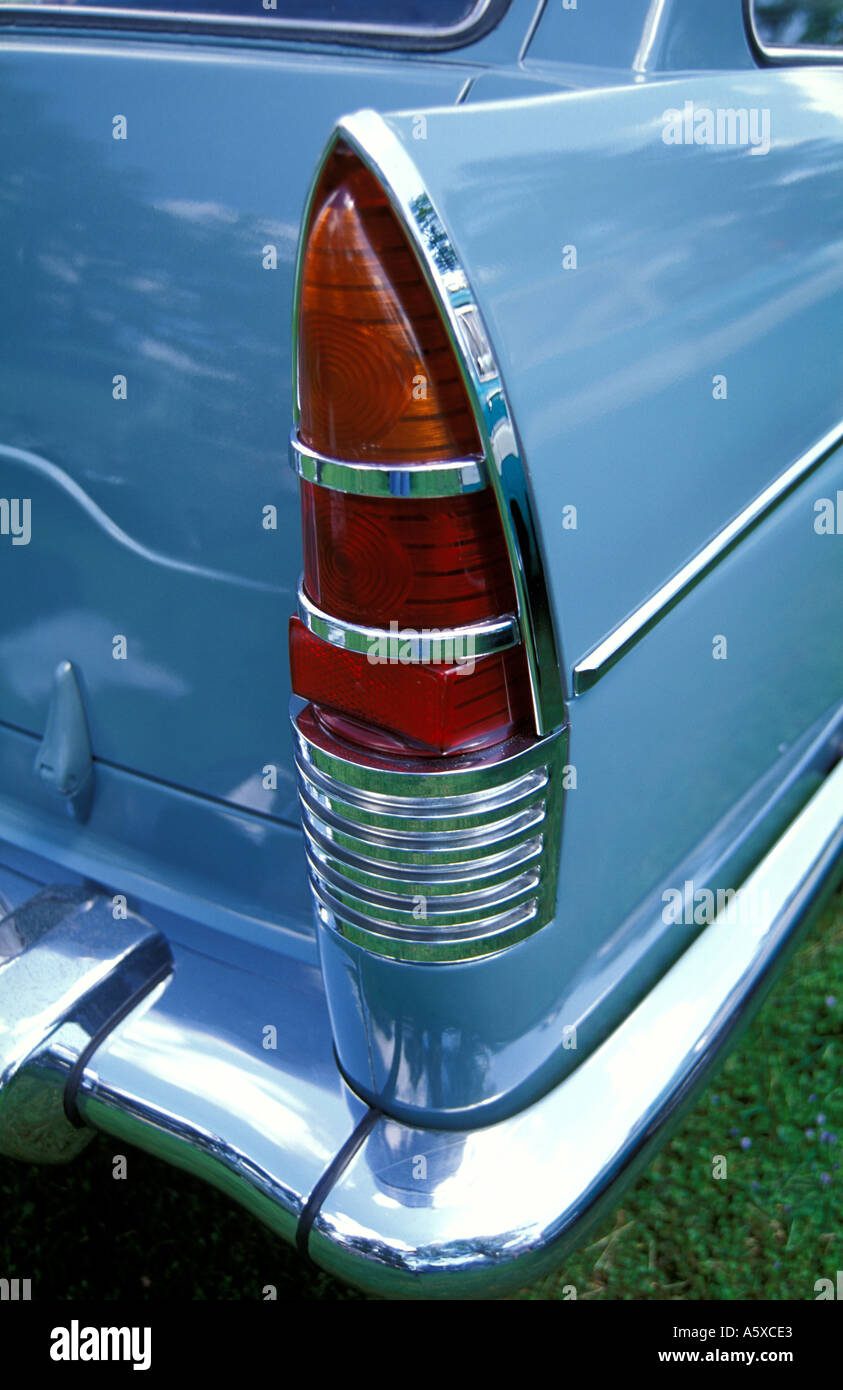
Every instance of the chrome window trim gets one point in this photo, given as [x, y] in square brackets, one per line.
[371, 138]
[484, 17]
[781, 56]
[624, 637]
[485, 638]
[450, 478]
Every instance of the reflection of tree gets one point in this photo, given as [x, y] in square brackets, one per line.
[786, 22]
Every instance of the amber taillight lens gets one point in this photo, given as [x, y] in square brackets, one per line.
[378, 380]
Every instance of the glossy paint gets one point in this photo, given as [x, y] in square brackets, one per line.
[144, 258]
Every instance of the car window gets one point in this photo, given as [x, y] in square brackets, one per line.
[388, 14]
[798, 23]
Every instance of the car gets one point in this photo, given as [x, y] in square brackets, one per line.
[421, 676]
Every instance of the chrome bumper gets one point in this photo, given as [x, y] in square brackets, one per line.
[101, 1026]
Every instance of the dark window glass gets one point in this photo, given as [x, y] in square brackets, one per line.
[799, 23]
[390, 14]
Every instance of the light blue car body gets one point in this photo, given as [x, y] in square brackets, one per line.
[661, 379]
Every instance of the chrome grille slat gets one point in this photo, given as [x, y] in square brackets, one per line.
[430, 860]
[476, 939]
[488, 868]
[452, 840]
[453, 910]
[477, 804]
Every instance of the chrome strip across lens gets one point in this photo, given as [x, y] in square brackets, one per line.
[603, 657]
[431, 859]
[379, 480]
[454, 645]
[382, 151]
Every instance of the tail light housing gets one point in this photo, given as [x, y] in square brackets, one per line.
[426, 769]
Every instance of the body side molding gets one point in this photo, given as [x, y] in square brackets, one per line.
[603, 657]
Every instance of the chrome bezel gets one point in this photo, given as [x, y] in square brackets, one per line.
[621, 639]
[475, 836]
[369, 135]
[447, 479]
[479, 639]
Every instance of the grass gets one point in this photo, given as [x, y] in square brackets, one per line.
[768, 1230]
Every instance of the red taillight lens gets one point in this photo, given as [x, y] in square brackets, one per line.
[436, 561]
[378, 381]
[434, 709]
[379, 385]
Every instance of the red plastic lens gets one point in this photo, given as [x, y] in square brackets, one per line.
[437, 708]
[378, 380]
[436, 562]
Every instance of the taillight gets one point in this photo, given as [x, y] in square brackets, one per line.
[422, 776]
[379, 383]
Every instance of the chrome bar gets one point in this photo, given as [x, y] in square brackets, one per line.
[603, 657]
[448, 479]
[69, 966]
[454, 645]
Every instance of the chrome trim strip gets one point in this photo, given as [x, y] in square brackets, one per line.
[437, 887]
[492, 1209]
[603, 657]
[381, 150]
[425, 646]
[447, 479]
[484, 16]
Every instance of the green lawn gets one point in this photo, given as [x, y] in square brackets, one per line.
[769, 1230]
